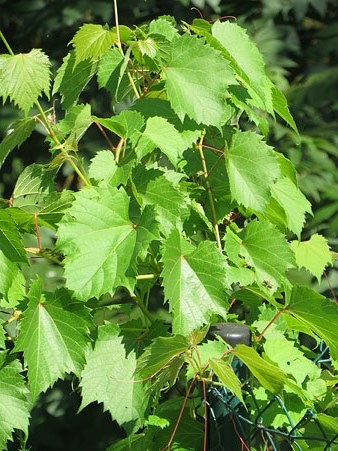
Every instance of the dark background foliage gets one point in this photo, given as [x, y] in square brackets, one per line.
[299, 40]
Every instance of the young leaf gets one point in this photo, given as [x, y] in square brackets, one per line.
[159, 354]
[247, 62]
[314, 254]
[53, 337]
[188, 92]
[14, 409]
[227, 377]
[293, 202]
[71, 80]
[98, 239]
[194, 282]
[77, 120]
[252, 169]
[317, 313]
[91, 41]
[16, 135]
[111, 74]
[265, 249]
[24, 77]
[160, 133]
[108, 377]
[268, 375]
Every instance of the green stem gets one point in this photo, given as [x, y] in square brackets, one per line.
[145, 276]
[4, 40]
[209, 191]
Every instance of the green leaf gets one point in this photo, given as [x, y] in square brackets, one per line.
[14, 409]
[227, 377]
[111, 74]
[314, 254]
[127, 124]
[194, 282]
[171, 205]
[24, 77]
[266, 250]
[76, 122]
[159, 355]
[12, 282]
[16, 135]
[186, 72]
[246, 61]
[53, 337]
[108, 377]
[91, 41]
[53, 208]
[34, 184]
[280, 105]
[268, 375]
[98, 239]
[163, 27]
[293, 202]
[2, 336]
[317, 313]
[10, 239]
[71, 79]
[103, 167]
[252, 169]
[160, 133]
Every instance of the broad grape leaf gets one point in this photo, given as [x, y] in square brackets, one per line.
[54, 337]
[12, 282]
[269, 376]
[317, 313]
[127, 124]
[194, 282]
[314, 254]
[108, 377]
[14, 409]
[293, 202]
[197, 77]
[24, 77]
[10, 239]
[246, 61]
[252, 170]
[103, 166]
[91, 41]
[266, 250]
[159, 355]
[71, 80]
[162, 134]
[16, 135]
[227, 377]
[53, 207]
[99, 241]
[163, 26]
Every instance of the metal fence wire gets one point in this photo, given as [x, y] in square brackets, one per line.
[231, 427]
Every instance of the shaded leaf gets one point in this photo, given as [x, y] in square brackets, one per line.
[71, 80]
[16, 135]
[317, 313]
[24, 77]
[194, 282]
[280, 105]
[10, 239]
[14, 409]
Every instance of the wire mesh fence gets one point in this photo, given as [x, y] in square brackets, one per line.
[232, 427]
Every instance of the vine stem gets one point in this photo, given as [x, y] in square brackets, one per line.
[119, 45]
[209, 191]
[4, 40]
